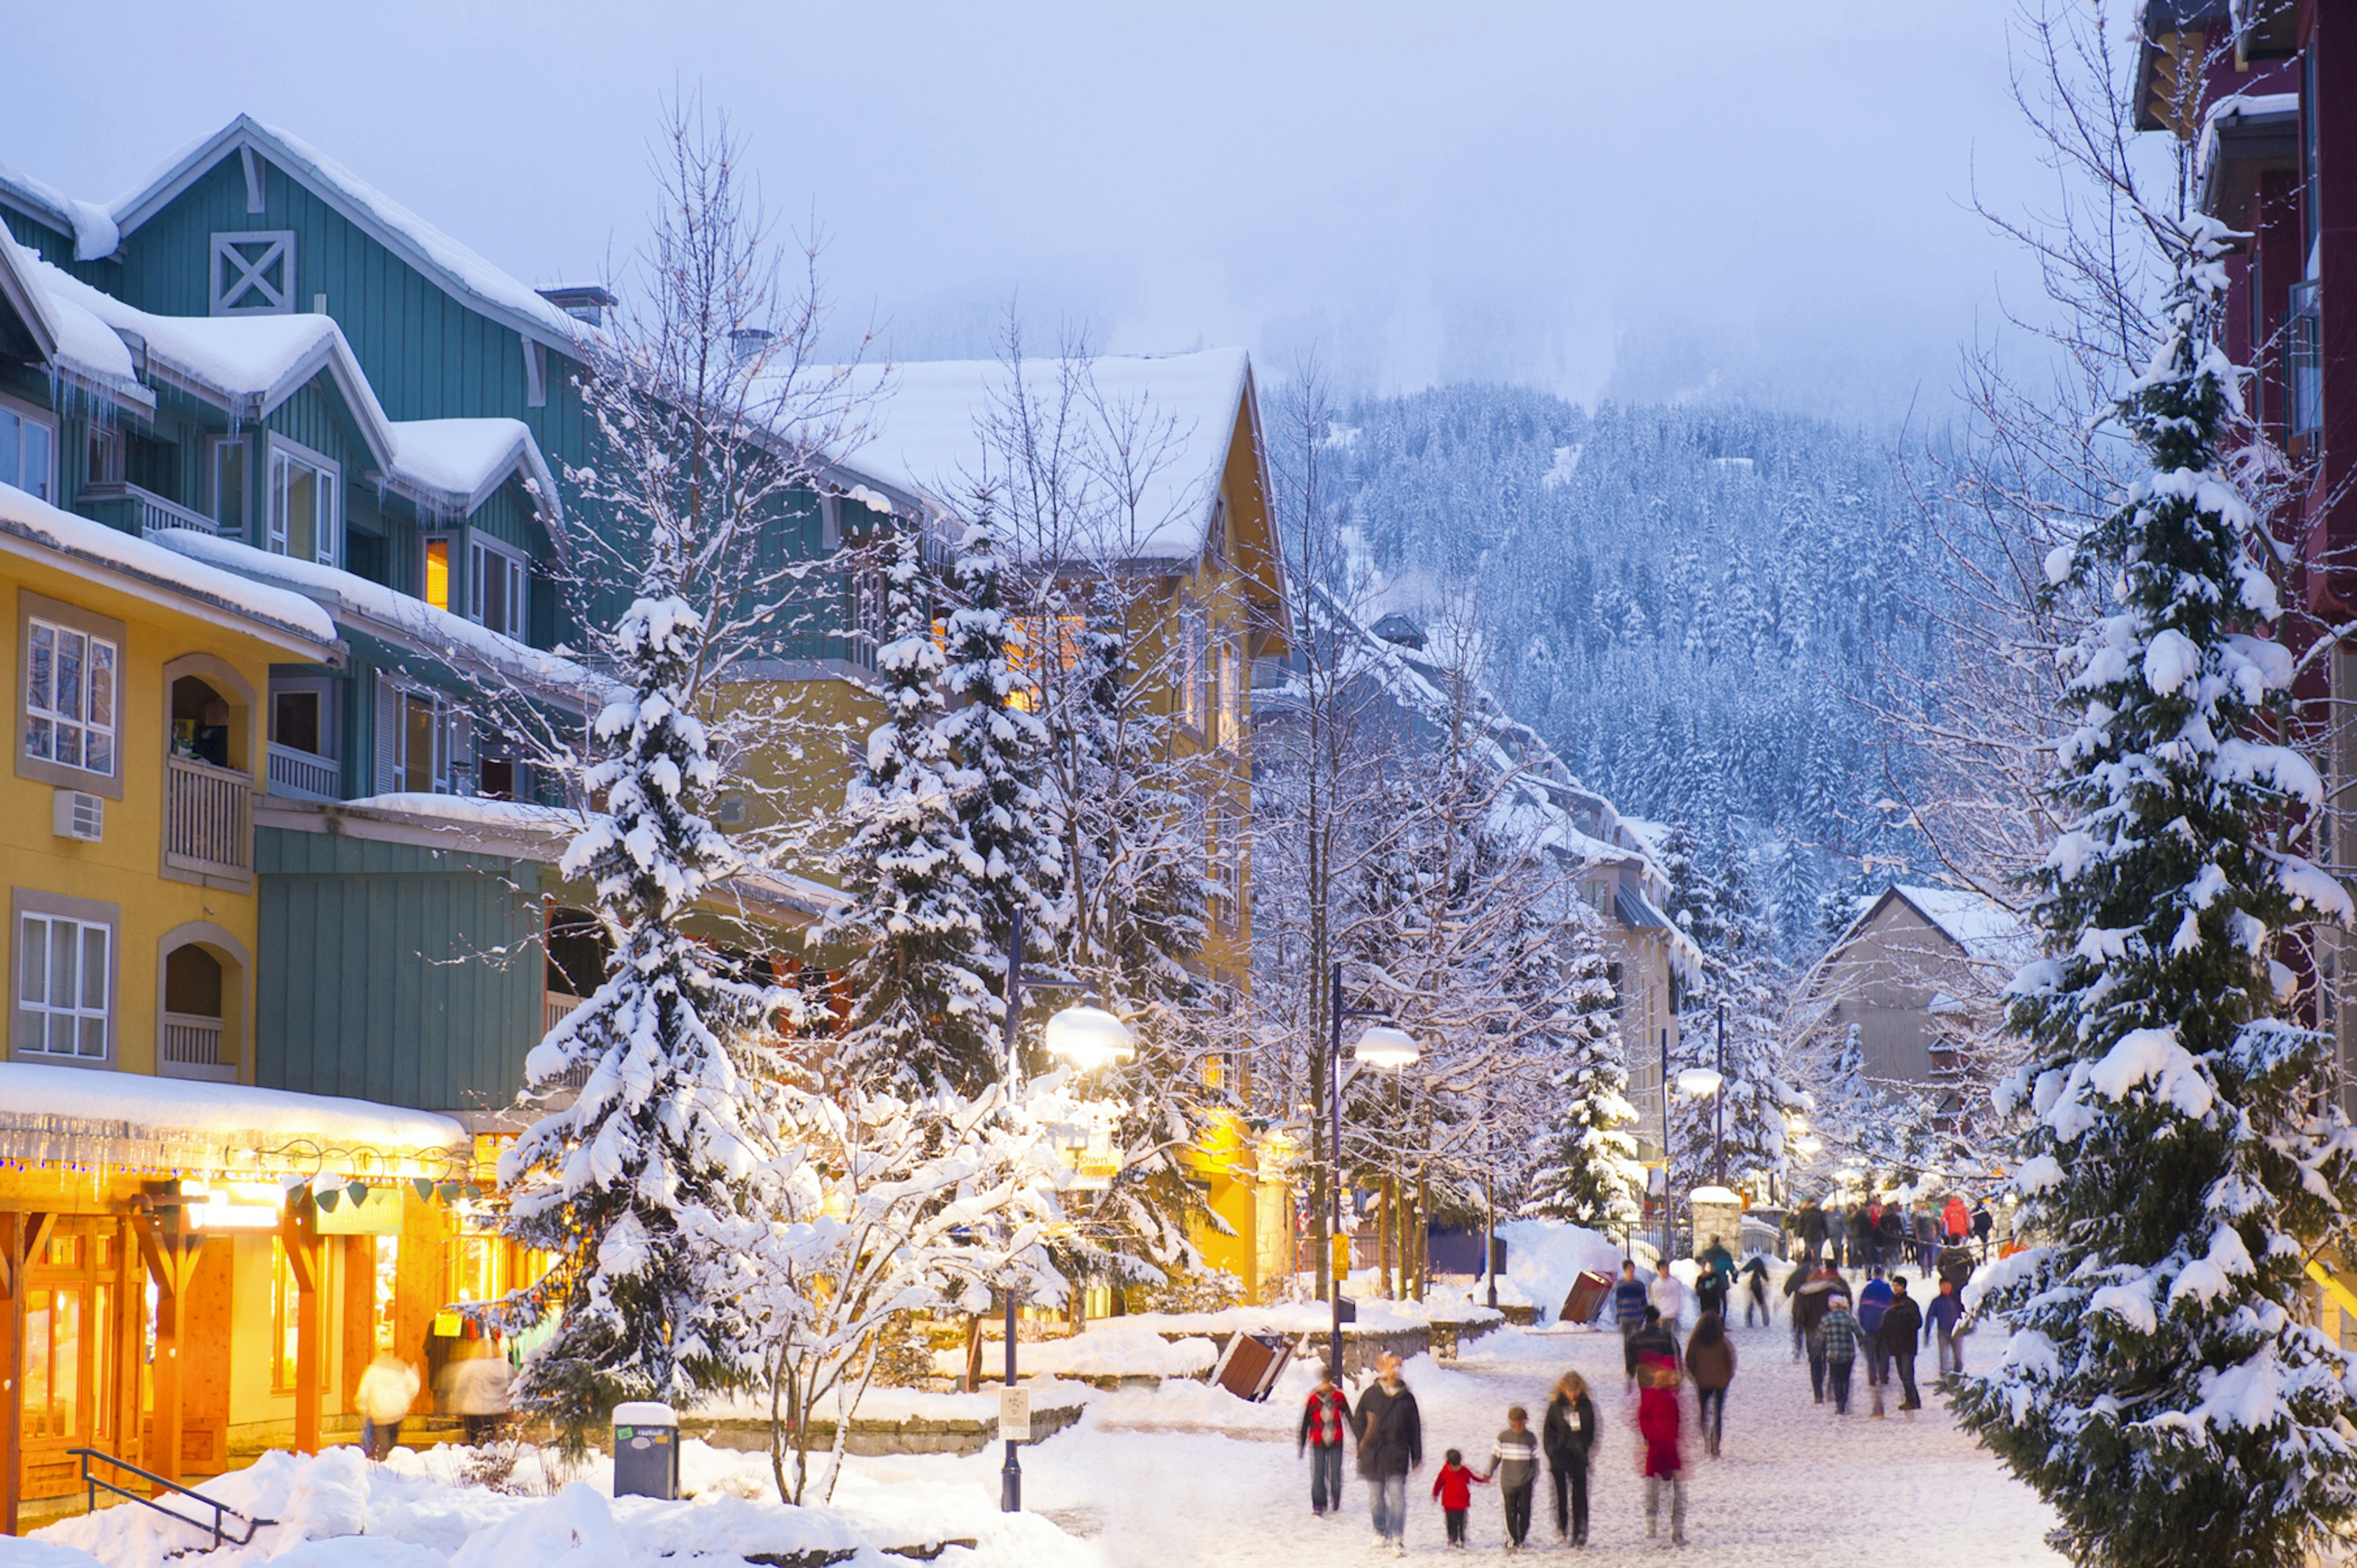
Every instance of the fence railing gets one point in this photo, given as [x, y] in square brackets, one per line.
[144, 510]
[207, 818]
[305, 776]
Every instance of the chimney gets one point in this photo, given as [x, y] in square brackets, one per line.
[582, 301]
[748, 344]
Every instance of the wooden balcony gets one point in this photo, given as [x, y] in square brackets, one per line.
[143, 513]
[191, 1048]
[207, 819]
[304, 776]
[555, 1007]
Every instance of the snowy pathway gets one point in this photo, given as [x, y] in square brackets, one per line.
[1797, 1485]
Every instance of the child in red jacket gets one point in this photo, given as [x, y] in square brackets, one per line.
[1454, 1488]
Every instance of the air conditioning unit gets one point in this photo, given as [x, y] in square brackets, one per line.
[79, 815]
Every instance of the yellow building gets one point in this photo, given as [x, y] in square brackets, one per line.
[141, 1178]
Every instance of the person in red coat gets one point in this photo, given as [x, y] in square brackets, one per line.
[1454, 1487]
[1657, 1423]
[1323, 1421]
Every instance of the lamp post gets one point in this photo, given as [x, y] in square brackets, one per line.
[1387, 1047]
[1718, 1157]
[1699, 1082]
[1086, 1037]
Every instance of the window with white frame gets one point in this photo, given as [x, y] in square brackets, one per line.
[1227, 712]
[420, 740]
[71, 683]
[1194, 652]
[65, 973]
[496, 588]
[28, 446]
[304, 515]
[254, 273]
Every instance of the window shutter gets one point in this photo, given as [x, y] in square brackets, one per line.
[388, 734]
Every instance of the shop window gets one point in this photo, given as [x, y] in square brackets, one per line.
[53, 1331]
[286, 1322]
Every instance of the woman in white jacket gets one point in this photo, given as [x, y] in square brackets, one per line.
[387, 1390]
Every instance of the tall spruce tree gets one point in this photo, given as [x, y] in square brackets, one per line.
[1586, 1169]
[635, 1184]
[2180, 1157]
[922, 1017]
[995, 737]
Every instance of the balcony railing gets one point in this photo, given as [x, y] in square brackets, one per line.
[141, 511]
[191, 1040]
[304, 775]
[207, 818]
[555, 1007]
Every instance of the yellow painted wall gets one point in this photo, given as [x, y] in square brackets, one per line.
[125, 868]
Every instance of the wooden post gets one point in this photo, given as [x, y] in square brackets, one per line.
[27, 1236]
[171, 1255]
[300, 1235]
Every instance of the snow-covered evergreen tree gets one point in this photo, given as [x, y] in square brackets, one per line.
[635, 1184]
[921, 1015]
[1586, 1169]
[995, 737]
[2160, 1387]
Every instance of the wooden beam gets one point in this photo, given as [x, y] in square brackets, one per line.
[171, 1256]
[27, 1234]
[299, 1234]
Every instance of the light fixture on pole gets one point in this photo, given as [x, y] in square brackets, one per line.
[1386, 1047]
[1085, 1037]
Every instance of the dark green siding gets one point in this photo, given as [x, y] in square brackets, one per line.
[389, 972]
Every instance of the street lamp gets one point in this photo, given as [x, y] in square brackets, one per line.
[1085, 1037]
[1386, 1047]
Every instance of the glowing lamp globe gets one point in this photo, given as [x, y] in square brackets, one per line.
[1699, 1082]
[1386, 1047]
[1089, 1038]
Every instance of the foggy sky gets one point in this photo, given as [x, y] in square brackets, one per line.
[1639, 201]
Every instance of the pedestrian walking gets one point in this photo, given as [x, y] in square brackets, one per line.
[1657, 1423]
[1629, 1311]
[1809, 1308]
[1945, 1319]
[1655, 1339]
[1710, 1362]
[1861, 1233]
[1813, 1229]
[1567, 1436]
[1667, 1294]
[1873, 1301]
[1983, 1223]
[1454, 1487]
[1514, 1465]
[1927, 1242]
[1800, 1274]
[478, 1394]
[1324, 1418]
[1837, 1340]
[1956, 1219]
[1902, 1329]
[387, 1390]
[1874, 1230]
[1718, 1260]
[1391, 1444]
[1755, 1290]
[1710, 1292]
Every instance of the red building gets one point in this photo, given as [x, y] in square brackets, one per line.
[2264, 93]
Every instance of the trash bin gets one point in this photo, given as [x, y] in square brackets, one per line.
[646, 1451]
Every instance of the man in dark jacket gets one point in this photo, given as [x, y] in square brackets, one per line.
[1391, 1444]
[1567, 1438]
[1902, 1329]
[1629, 1312]
[1808, 1306]
[1654, 1339]
[1813, 1229]
[1983, 1223]
[1945, 1320]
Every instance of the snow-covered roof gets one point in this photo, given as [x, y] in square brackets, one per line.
[552, 827]
[92, 226]
[920, 429]
[77, 344]
[27, 517]
[1984, 928]
[458, 463]
[394, 615]
[90, 1116]
[458, 268]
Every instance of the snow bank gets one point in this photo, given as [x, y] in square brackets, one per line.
[28, 517]
[1118, 1348]
[1545, 1256]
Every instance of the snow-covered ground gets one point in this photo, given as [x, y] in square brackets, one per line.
[1188, 1475]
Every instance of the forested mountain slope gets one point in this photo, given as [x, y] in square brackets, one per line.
[1686, 600]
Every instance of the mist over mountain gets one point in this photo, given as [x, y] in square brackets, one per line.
[1690, 600]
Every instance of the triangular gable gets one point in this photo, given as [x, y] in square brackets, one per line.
[72, 343]
[457, 270]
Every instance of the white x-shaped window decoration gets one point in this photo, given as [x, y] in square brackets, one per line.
[254, 273]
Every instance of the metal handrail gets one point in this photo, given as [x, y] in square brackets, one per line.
[91, 1484]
